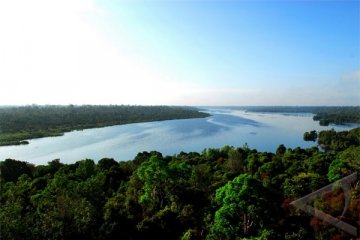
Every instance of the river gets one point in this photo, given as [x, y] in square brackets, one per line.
[262, 131]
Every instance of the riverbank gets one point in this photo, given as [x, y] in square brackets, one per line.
[19, 124]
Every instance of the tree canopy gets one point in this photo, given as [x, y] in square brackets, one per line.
[226, 193]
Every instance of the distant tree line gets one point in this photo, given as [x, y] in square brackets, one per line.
[332, 140]
[325, 115]
[20, 123]
[339, 115]
[227, 193]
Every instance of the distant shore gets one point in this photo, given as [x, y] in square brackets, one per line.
[19, 124]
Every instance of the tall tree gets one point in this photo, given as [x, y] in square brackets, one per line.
[244, 206]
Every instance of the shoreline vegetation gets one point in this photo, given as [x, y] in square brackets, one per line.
[226, 193]
[19, 124]
[325, 115]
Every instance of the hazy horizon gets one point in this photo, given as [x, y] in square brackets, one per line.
[193, 53]
[173, 105]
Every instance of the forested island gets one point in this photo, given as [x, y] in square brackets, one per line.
[324, 114]
[18, 124]
[228, 193]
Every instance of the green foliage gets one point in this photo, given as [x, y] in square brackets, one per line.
[85, 169]
[11, 169]
[338, 141]
[264, 234]
[319, 163]
[153, 174]
[270, 171]
[337, 170]
[242, 201]
[301, 233]
[107, 163]
[227, 193]
[281, 149]
[338, 115]
[310, 136]
[187, 235]
[235, 163]
[351, 156]
[302, 184]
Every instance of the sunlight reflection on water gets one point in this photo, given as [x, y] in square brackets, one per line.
[263, 131]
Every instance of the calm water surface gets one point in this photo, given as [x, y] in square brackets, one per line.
[263, 131]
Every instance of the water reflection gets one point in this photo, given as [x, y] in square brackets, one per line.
[263, 131]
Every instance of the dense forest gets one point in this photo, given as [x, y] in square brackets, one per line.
[228, 193]
[17, 124]
[325, 115]
[332, 140]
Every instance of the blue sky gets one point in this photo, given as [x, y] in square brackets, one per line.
[182, 52]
